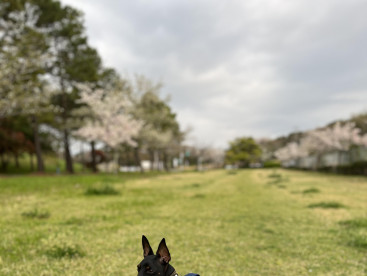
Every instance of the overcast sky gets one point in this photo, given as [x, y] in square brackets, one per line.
[260, 68]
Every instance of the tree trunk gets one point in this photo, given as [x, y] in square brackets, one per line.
[16, 159]
[199, 164]
[137, 159]
[37, 144]
[93, 155]
[31, 161]
[3, 161]
[156, 160]
[127, 161]
[68, 159]
[318, 162]
[82, 159]
[151, 157]
[166, 162]
[67, 155]
[116, 160]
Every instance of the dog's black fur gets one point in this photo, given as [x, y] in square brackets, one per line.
[157, 264]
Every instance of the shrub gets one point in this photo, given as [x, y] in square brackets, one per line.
[355, 223]
[74, 221]
[231, 172]
[36, 214]
[275, 175]
[357, 168]
[65, 251]
[198, 196]
[327, 205]
[359, 241]
[106, 190]
[311, 191]
[272, 164]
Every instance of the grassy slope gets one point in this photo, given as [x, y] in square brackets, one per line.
[215, 223]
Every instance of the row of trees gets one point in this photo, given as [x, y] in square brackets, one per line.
[339, 143]
[339, 137]
[52, 80]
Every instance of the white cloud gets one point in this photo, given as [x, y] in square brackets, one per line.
[258, 67]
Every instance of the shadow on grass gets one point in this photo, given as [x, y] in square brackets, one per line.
[106, 190]
[277, 178]
[36, 214]
[74, 221]
[65, 251]
[359, 241]
[232, 172]
[275, 175]
[199, 196]
[355, 223]
[275, 181]
[356, 234]
[311, 191]
[278, 182]
[192, 186]
[327, 205]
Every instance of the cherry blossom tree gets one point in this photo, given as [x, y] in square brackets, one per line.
[23, 63]
[112, 122]
[213, 157]
[160, 134]
[335, 138]
[291, 152]
[341, 138]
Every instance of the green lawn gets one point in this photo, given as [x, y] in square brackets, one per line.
[250, 222]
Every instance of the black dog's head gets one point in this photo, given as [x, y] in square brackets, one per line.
[157, 264]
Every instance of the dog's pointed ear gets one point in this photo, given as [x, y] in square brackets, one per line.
[163, 252]
[146, 247]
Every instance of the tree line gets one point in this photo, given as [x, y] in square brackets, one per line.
[55, 88]
[339, 144]
[342, 143]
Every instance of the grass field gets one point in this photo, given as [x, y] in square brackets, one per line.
[250, 222]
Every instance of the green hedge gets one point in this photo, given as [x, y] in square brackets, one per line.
[358, 168]
[272, 164]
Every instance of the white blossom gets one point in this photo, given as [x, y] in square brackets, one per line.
[338, 137]
[112, 123]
